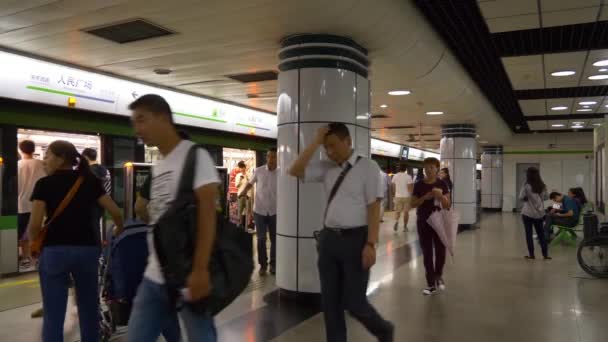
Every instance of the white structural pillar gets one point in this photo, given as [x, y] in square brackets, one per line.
[491, 177]
[458, 150]
[323, 79]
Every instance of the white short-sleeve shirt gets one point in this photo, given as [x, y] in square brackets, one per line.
[401, 181]
[166, 174]
[265, 182]
[360, 187]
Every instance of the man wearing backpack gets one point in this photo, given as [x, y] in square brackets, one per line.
[153, 309]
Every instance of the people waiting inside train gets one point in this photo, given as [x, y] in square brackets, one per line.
[68, 197]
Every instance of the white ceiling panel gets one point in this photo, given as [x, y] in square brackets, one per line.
[533, 107]
[559, 5]
[590, 69]
[537, 125]
[564, 61]
[564, 102]
[525, 72]
[507, 8]
[570, 17]
[593, 107]
[520, 22]
[550, 124]
[596, 122]
[579, 122]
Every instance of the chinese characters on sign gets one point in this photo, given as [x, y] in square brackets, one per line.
[75, 83]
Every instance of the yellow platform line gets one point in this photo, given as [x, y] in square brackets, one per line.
[20, 282]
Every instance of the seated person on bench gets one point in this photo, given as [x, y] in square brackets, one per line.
[567, 216]
[578, 195]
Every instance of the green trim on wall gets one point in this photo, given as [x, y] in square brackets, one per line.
[38, 116]
[8, 222]
[550, 152]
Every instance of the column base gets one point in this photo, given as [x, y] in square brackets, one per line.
[300, 297]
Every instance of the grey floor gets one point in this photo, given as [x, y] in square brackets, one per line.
[493, 294]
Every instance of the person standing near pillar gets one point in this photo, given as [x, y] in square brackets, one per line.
[265, 209]
[347, 242]
[403, 185]
[428, 195]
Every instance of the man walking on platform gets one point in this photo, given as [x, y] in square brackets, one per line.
[347, 242]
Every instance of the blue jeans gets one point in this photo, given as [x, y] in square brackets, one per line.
[537, 224]
[263, 225]
[57, 263]
[153, 314]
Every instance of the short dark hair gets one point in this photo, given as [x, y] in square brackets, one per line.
[272, 150]
[90, 154]
[338, 129]
[241, 164]
[183, 134]
[153, 103]
[431, 160]
[402, 167]
[554, 195]
[27, 147]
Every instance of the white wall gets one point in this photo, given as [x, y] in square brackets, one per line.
[562, 166]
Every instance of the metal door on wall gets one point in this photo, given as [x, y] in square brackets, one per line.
[521, 179]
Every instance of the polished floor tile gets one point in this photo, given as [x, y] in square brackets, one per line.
[493, 295]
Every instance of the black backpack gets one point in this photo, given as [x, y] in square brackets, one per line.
[231, 263]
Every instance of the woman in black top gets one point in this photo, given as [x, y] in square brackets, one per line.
[71, 247]
[444, 175]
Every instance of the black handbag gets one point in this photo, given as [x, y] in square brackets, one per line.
[231, 263]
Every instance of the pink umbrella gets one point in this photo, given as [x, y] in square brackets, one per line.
[445, 224]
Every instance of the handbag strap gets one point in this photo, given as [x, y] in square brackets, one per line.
[186, 182]
[337, 184]
[66, 200]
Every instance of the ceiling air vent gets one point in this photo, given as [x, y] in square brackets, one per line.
[260, 76]
[129, 31]
[379, 116]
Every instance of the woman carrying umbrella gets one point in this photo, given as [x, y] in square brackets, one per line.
[428, 193]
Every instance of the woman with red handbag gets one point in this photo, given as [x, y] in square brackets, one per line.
[67, 242]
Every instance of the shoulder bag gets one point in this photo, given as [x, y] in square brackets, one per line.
[231, 263]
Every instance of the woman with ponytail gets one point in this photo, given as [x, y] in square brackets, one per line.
[70, 247]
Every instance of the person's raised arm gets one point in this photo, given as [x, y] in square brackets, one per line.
[298, 168]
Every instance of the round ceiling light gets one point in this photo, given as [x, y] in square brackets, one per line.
[559, 108]
[399, 92]
[587, 103]
[600, 63]
[598, 77]
[563, 73]
[584, 110]
[557, 125]
[162, 71]
[383, 106]
[434, 113]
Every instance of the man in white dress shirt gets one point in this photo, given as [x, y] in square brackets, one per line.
[265, 209]
[347, 242]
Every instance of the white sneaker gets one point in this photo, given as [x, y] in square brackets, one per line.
[441, 284]
[429, 291]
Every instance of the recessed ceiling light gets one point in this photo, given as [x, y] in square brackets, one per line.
[483, 142]
[399, 92]
[586, 107]
[603, 70]
[559, 108]
[587, 103]
[563, 73]
[162, 71]
[434, 113]
[383, 106]
[578, 123]
[597, 124]
[577, 126]
[598, 77]
[557, 125]
[584, 110]
[603, 62]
